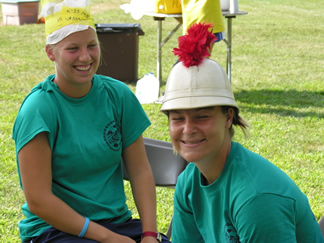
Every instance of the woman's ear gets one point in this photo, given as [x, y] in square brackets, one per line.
[49, 52]
[229, 117]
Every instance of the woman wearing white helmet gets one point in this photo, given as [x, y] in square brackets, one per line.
[228, 193]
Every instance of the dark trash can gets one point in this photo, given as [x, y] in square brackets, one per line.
[119, 48]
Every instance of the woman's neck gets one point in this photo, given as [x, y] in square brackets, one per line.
[211, 168]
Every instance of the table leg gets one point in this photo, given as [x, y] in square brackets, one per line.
[159, 53]
[170, 34]
[229, 49]
[160, 44]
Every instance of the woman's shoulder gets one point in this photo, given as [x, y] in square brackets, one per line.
[40, 96]
[110, 82]
[115, 89]
[259, 176]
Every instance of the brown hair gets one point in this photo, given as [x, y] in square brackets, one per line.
[237, 121]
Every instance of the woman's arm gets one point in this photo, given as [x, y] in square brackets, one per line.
[143, 185]
[267, 217]
[35, 162]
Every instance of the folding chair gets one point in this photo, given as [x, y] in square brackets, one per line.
[166, 166]
[321, 224]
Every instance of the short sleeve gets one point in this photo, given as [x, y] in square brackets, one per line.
[37, 114]
[267, 218]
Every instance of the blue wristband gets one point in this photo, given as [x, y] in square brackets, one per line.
[85, 227]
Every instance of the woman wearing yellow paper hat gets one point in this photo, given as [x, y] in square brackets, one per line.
[70, 134]
[228, 193]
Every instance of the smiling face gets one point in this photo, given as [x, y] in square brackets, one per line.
[200, 134]
[76, 60]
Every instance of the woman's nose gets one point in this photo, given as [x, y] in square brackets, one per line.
[85, 56]
[189, 126]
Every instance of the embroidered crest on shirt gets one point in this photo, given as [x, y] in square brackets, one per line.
[112, 136]
[231, 234]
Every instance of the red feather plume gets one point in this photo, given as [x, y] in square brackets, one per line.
[195, 45]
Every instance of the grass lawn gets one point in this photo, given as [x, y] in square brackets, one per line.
[277, 79]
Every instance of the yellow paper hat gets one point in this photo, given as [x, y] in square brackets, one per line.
[63, 18]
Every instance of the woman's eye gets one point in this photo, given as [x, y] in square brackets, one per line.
[176, 118]
[202, 117]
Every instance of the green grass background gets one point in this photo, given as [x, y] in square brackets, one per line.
[277, 79]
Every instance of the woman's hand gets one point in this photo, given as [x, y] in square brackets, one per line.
[119, 239]
[148, 239]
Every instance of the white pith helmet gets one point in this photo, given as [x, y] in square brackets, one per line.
[197, 86]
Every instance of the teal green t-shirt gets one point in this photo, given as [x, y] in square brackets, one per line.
[86, 136]
[252, 201]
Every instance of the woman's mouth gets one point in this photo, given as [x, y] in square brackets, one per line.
[193, 142]
[83, 67]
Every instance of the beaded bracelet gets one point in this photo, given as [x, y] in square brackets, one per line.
[85, 227]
